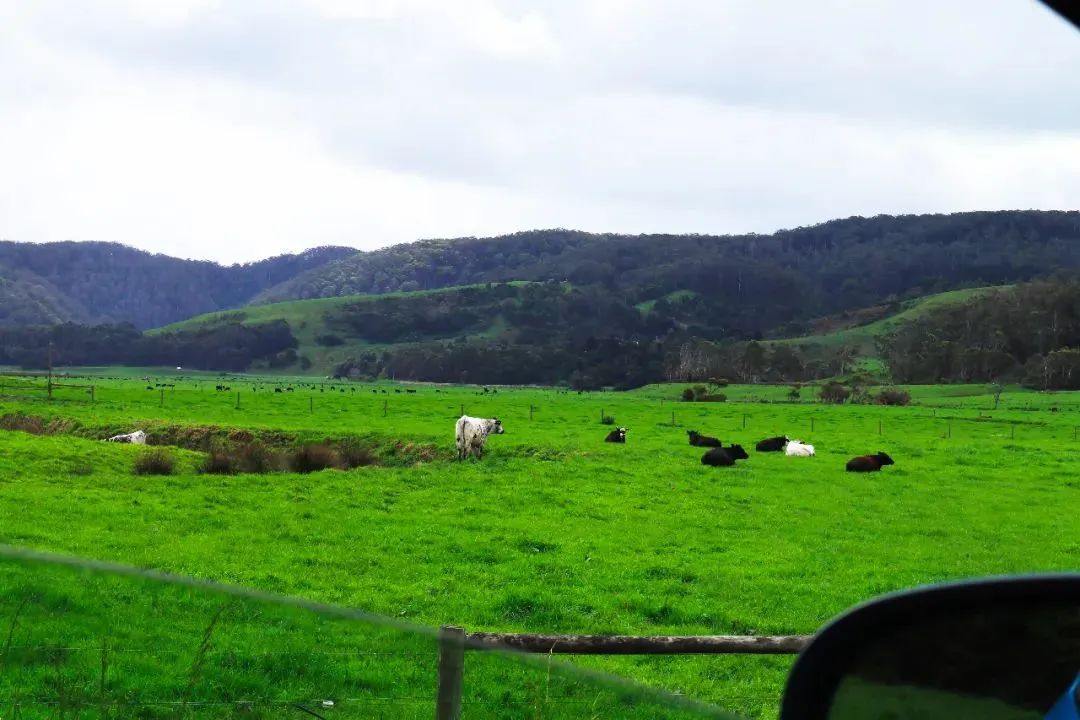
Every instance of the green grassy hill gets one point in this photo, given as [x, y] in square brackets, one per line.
[331, 330]
[862, 337]
[314, 322]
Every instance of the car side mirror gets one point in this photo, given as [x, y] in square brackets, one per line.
[996, 649]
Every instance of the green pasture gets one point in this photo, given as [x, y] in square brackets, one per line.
[555, 530]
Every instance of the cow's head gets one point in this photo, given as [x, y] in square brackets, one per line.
[885, 459]
[737, 453]
[496, 426]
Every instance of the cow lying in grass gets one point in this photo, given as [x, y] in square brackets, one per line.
[135, 438]
[797, 448]
[699, 440]
[773, 444]
[617, 435]
[471, 433]
[724, 456]
[869, 463]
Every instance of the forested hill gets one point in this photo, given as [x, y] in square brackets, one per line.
[735, 286]
[98, 282]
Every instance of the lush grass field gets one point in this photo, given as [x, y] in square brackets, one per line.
[556, 531]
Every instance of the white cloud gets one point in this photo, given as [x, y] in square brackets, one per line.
[236, 130]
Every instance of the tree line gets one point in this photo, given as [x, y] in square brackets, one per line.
[232, 346]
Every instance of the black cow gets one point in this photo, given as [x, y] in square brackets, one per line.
[773, 444]
[869, 463]
[724, 456]
[616, 436]
[699, 440]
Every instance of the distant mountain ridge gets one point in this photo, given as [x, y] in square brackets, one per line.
[90, 282]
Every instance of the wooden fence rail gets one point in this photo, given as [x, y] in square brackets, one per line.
[454, 641]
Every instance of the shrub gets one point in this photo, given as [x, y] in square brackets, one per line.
[715, 397]
[834, 392]
[607, 420]
[313, 457]
[719, 382]
[329, 340]
[155, 462]
[354, 455]
[688, 395]
[218, 462]
[256, 458]
[893, 396]
[25, 423]
[795, 392]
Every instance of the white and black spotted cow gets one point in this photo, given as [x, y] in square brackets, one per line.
[135, 438]
[471, 433]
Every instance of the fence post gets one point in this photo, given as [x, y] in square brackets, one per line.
[385, 403]
[811, 423]
[161, 400]
[672, 418]
[530, 412]
[601, 415]
[879, 426]
[451, 671]
[311, 405]
[744, 421]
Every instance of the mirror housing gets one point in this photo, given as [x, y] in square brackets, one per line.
[998, 648]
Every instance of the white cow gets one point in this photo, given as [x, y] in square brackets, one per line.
[135, 438]
[797, 448]
[471, 433]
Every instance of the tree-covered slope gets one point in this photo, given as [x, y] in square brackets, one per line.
[108, 282]
[732, 286]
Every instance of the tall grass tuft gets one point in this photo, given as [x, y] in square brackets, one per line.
[155, 462]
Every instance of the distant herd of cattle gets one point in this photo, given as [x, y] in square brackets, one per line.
[471, 433]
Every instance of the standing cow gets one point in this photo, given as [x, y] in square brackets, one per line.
[471, 433]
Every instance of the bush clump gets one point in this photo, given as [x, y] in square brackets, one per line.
[218, 462]
[155, 462]
[714, 397]
[255, 457]
[313, 457]
[25, 423]
[607, 420]
[354, 455]
[834, 393]
[893, 396]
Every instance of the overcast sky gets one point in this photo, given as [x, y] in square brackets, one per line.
[238, 130]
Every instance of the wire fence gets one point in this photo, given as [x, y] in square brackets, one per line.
[82, 639]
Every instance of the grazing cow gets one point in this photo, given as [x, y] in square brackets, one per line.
[471, 433]
[135, 438]
[797, 448]
[699, 440]
[617, 435]
[869, 463]
[724, 456]
[773, 444]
